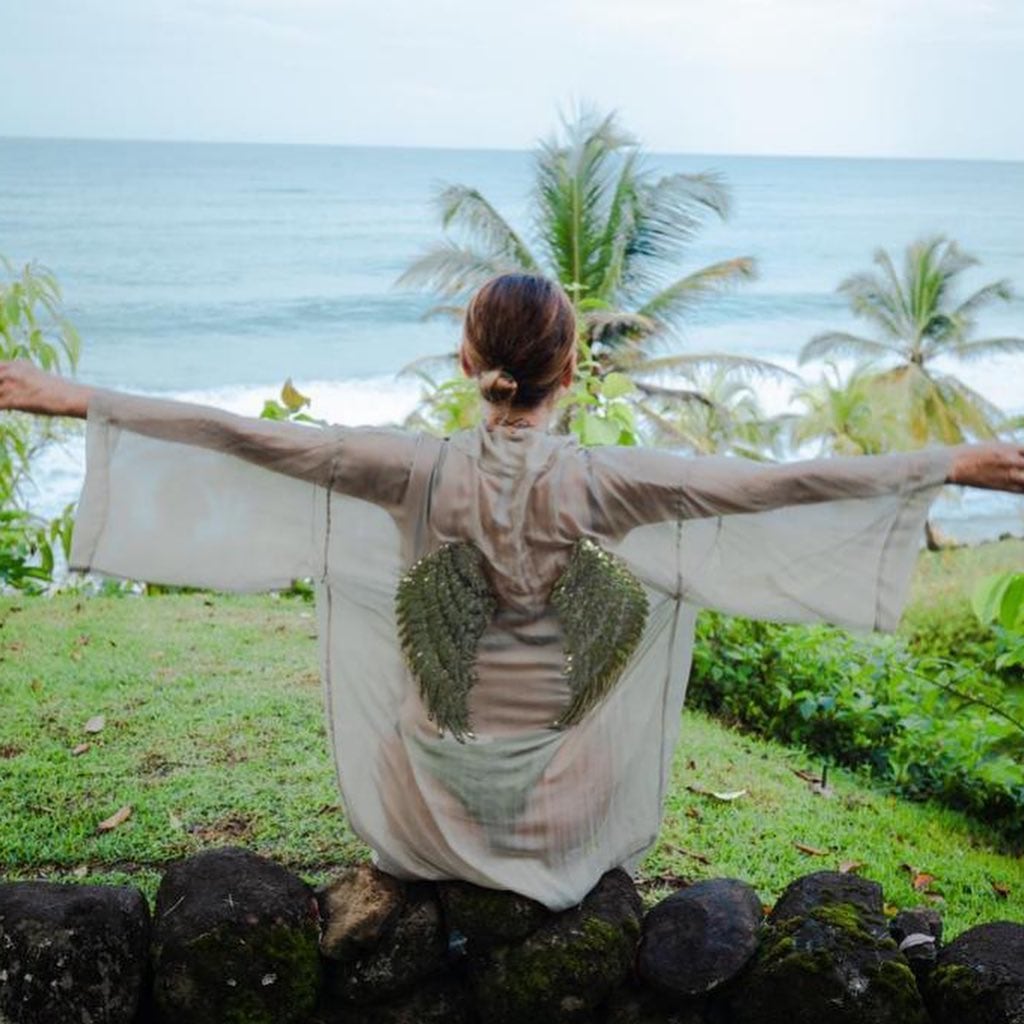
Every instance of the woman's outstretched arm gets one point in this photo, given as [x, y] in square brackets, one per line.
[647, 485]
[372, 463]
[26, 388]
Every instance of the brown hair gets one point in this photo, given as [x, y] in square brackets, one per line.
[519, 336]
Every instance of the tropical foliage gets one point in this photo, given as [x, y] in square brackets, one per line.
[614, 233]
[927, 726]
[33, 326]
[917, 320]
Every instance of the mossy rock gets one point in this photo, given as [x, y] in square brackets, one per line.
[235, 942]
[823, 958]
[438, 1001]
[569, 965]
[409, 949]
[633, 1004]
[486, 918]
[71, 953]
[979, 977]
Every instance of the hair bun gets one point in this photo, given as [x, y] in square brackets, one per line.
[498, 386]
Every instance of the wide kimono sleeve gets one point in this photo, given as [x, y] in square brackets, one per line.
[188, 494]
[824, 540]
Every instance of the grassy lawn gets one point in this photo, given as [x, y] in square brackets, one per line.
[213, 734]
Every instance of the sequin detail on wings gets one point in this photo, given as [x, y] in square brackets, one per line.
[603, 608]
[444, 603]
[443, 606]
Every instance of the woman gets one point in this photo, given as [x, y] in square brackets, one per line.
[506, 618]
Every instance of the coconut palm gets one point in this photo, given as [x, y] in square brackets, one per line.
[719, 415]
[605, 226]
[842, 417]
[917, 320]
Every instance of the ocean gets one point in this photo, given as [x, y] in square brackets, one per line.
[213, 272]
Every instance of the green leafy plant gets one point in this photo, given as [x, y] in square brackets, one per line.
[998, 601]
[929, 727]
[289, 405]
[33, 326]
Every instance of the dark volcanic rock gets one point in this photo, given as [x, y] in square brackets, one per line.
[235, 939]
[569, 965]
[979, 977]
[826, 955]
[834, 888]
[486, 918]
[405, 945]
[699, 937]
[633, 1005]
[918, 932]
[71, 953]
[439, 1001]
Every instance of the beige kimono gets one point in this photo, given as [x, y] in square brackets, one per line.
[185, 494]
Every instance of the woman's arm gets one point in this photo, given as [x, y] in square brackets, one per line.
[647, 485]
[26, 388]
[372, 463]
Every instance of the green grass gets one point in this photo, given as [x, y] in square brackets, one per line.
[214, 734]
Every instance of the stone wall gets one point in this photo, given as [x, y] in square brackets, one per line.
[237, 939]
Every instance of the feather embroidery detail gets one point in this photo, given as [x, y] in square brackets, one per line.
[443, 606]
[603, 610]
[444, 603]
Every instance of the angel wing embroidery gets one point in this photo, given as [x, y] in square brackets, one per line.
[444, 603]
[603, 608]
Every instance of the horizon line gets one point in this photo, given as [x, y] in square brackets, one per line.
[500, 149]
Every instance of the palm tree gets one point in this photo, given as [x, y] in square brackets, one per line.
[606, 227]
[721, 416]
[842, 416]
[917, 320]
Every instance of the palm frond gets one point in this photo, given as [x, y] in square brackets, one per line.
[984, 347]
[669, 213]
[610, 327]
[668, 305]
[757, 369]
[452, 270]
[841, 343]
[997, 290]
[466, 209]
[573, 176]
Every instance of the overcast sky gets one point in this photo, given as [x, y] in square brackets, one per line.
[847, 77]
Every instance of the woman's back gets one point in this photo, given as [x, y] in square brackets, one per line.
[181, 494]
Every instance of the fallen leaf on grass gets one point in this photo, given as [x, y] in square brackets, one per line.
[811, 851]
[728, 797]
[81, 749]
[849, 867]
[96, 724]
[702, 858]
[119, 817]
[1001, 889]
[920, 880]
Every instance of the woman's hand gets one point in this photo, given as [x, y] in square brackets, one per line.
[997, 466]
[26, 388]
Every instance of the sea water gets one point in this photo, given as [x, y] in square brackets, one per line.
[213, 272]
